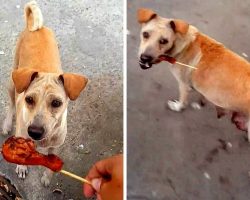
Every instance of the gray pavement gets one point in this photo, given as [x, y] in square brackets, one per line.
[89, 33]
[183, 156]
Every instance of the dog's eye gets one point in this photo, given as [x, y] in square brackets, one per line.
[163, 41]
[56, 103]
[29, 100]
[145, 35]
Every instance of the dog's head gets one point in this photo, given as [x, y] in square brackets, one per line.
[44, 99]
[159, 36]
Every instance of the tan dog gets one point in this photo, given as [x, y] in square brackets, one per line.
[40, 91]
[222, 76]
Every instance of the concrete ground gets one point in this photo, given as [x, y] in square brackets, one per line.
[190, 155]
[89, 33]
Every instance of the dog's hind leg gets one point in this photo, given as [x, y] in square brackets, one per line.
[48, 174]
[7, 124]
[197, 105]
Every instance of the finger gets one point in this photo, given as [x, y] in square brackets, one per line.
[88, 190]
[111, 188]
[105, 191]
[94, 173]
[102, 168]
[96, 183]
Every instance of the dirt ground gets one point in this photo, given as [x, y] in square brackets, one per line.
[190, 155]
[90, 37]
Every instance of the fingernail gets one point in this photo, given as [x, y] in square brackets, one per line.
[96, 183]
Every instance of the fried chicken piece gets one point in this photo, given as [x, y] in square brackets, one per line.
[23, 152]
[168, 59]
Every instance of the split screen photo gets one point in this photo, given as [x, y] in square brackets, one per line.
[119, 99]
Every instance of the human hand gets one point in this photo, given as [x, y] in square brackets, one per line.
[106, 177]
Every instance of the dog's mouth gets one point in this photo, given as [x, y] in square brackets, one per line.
[38, 139]
[145, 65]
[148, 65]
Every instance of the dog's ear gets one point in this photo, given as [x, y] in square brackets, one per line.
[144, 15]
[22, 78]
[179, 26]
[73, 84]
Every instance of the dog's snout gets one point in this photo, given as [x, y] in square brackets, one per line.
[146, 58]
[36, 132]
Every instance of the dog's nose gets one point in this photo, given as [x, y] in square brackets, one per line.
[36, 132]
[146, 58]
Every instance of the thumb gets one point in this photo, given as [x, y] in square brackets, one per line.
[96, 184]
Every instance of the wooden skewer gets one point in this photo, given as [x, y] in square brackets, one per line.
[190, 66]
[75, 177]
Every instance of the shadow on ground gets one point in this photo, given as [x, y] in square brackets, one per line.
[90, 39]
[190, 155]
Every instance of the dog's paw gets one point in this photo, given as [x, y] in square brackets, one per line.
[7, 126]
[196, 105]
[21, 171]
[175, 105]
[46, 178]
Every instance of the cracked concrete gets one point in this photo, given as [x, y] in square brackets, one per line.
[89, 34]
[190, 155]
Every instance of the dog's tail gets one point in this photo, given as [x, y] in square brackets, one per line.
[34, 17]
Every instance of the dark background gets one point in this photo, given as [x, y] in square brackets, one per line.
[170, 154]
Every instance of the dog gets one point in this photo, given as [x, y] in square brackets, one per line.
[221, 76]
[39, 90]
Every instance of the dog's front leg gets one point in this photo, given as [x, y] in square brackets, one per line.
[47, 174]
[22, 171]
[178, 105]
